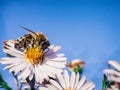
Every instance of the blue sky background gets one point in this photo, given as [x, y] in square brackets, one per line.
[86, 29]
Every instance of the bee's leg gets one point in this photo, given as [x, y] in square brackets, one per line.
[26, 49]
[47, 49]
[32, 42]
[24, 45]
[42, 59]
[16, 45]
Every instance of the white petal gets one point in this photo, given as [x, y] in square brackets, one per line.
[37, 74]
[26, 87]
[11, 65]
[31, 68]
[24, 73]
[56, 64]
[56, 84]
[52, 50]
[109, 89]
[11, 60]
[72, 80]
[92, 87]
[17, 68]
[51, 87]
[66, 77]
[87, 86]
[60, 55]
[10, 43]
[13, 53]
[43, 88]
[55, 58]
[7, 58]
[14, 50]
[61, 80]
[81, 82]
[59, 59]
[116, 79]
[48, 71]
[54, 70]
[51, 46]
[41, 74]
[44, 73]
[56, 48]
[110, 71]
[76, 80]
[115, 64]
[31, 76]
[114, 88]
[55, 55]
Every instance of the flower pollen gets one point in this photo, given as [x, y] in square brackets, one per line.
[34, 55]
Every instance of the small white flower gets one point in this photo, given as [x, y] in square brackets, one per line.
[30, 63]
[113, 74]
[73, 82]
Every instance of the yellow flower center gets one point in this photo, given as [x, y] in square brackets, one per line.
[34, 55]
[68, 89]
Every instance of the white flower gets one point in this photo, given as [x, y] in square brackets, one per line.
[27, 64]
[73, 82]
[113, 75]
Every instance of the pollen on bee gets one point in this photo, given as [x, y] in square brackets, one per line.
[34, 55]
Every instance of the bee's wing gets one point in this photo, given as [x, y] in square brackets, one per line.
[33, 33]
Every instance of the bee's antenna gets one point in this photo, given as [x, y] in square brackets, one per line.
[27, 29]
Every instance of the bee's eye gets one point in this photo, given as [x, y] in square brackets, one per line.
[42, 43]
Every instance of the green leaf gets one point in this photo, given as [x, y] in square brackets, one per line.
[106, 84]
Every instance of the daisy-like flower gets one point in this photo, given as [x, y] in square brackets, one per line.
[33, 62]
[73, 82]
[113, 75]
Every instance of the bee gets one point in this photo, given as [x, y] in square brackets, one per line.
[32, 39]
